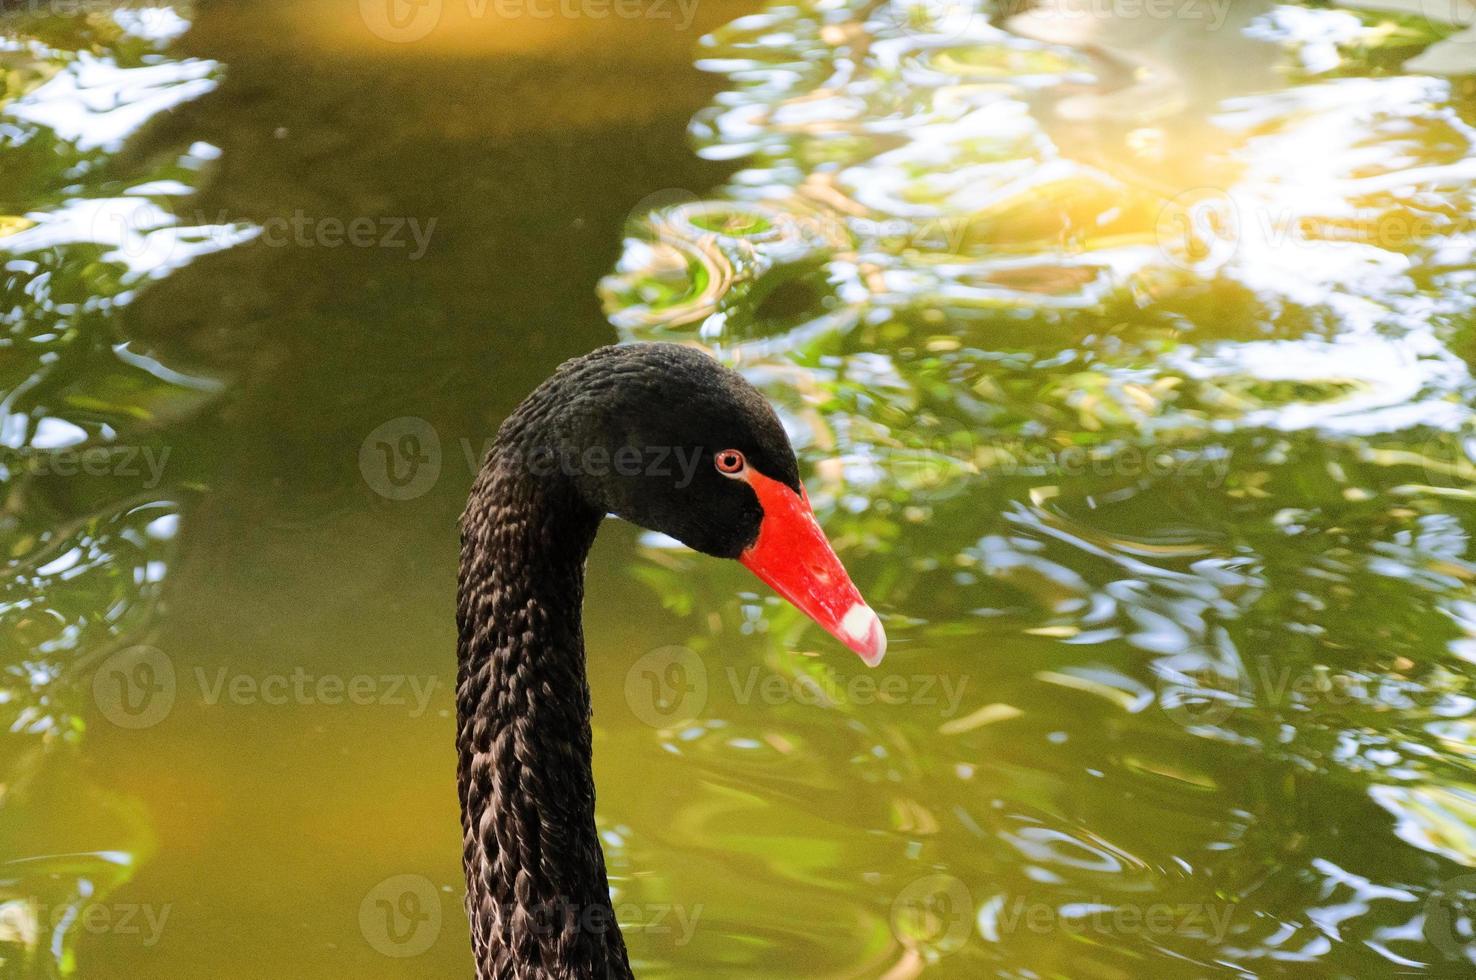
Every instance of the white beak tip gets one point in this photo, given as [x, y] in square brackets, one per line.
[864, 634]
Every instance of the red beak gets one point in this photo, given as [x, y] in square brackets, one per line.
[793, 557]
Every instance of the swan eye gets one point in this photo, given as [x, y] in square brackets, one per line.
[729, 462]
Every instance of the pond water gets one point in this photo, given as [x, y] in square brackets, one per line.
[1127, 349]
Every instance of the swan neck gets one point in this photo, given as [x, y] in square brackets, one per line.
[537, 892]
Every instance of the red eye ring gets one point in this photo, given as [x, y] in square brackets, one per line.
[729, 462]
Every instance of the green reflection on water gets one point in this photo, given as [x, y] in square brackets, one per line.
[1168, 454]
[1129, 361]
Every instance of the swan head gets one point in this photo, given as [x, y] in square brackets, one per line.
[667, 438]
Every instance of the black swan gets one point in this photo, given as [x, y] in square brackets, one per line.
[665, 437]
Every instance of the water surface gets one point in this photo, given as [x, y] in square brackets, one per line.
[1129, 363]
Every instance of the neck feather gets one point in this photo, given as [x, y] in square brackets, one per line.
[537, 893]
